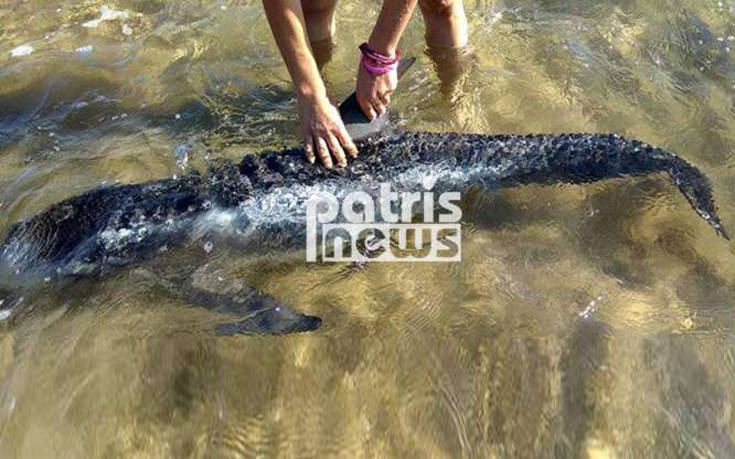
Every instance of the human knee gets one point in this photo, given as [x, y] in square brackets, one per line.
[318, 7]
[319, 18]
[445, 8]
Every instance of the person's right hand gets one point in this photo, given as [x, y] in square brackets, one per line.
[324, 132]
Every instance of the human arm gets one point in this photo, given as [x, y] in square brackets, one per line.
[373, 91]
[322, 129]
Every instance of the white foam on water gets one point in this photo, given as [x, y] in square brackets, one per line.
[182, 156]
[85, 49]
[216, 220]
[285, 204]
[22, 50]
[443, 177]
[217, 217]
[120, 237]
[288, 204]
[106, 14]
[267, 210]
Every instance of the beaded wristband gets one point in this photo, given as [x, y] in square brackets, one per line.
[376, 63]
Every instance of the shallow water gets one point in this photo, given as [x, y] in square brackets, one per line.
[590, 320]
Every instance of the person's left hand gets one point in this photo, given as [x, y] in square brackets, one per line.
[374, 91]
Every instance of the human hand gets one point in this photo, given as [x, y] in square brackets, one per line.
[374, 91]
[324, 133]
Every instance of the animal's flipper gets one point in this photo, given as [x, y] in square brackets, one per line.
[358, 125]
[270, 321]
[260, 314]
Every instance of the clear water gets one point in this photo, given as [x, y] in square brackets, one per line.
[588, 320]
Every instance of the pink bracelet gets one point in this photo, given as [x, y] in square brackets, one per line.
[379, 69]
[376, 63]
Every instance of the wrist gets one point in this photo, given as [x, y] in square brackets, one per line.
[383, 46]
[310, 93]
[377, 63]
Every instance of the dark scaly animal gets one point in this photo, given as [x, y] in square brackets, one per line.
[114, 226]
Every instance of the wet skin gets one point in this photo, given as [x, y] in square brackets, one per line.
[114, 226]
[73, 237]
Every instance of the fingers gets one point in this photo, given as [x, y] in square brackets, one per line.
[378, 104]
[323, 152]
[367, 108]
[325, 135]
[384, 99]
[374, 91]
[346, 141]
[336, 149]
[331, 147]
[379, 107]
[309, 149]
[372, 108]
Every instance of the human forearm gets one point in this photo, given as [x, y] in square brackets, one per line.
[374, 89]
[286, 19]
[392, 21]
[322, 129]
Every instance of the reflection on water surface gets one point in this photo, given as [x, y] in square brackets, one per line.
[583, 321]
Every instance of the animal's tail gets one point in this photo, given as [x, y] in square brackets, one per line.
[695, 186]
[589, 158]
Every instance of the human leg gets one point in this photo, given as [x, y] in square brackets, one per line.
[319, 19]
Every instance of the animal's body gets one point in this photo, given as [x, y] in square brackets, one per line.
[114, 226]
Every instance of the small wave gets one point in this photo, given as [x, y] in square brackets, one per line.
[106, 14]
